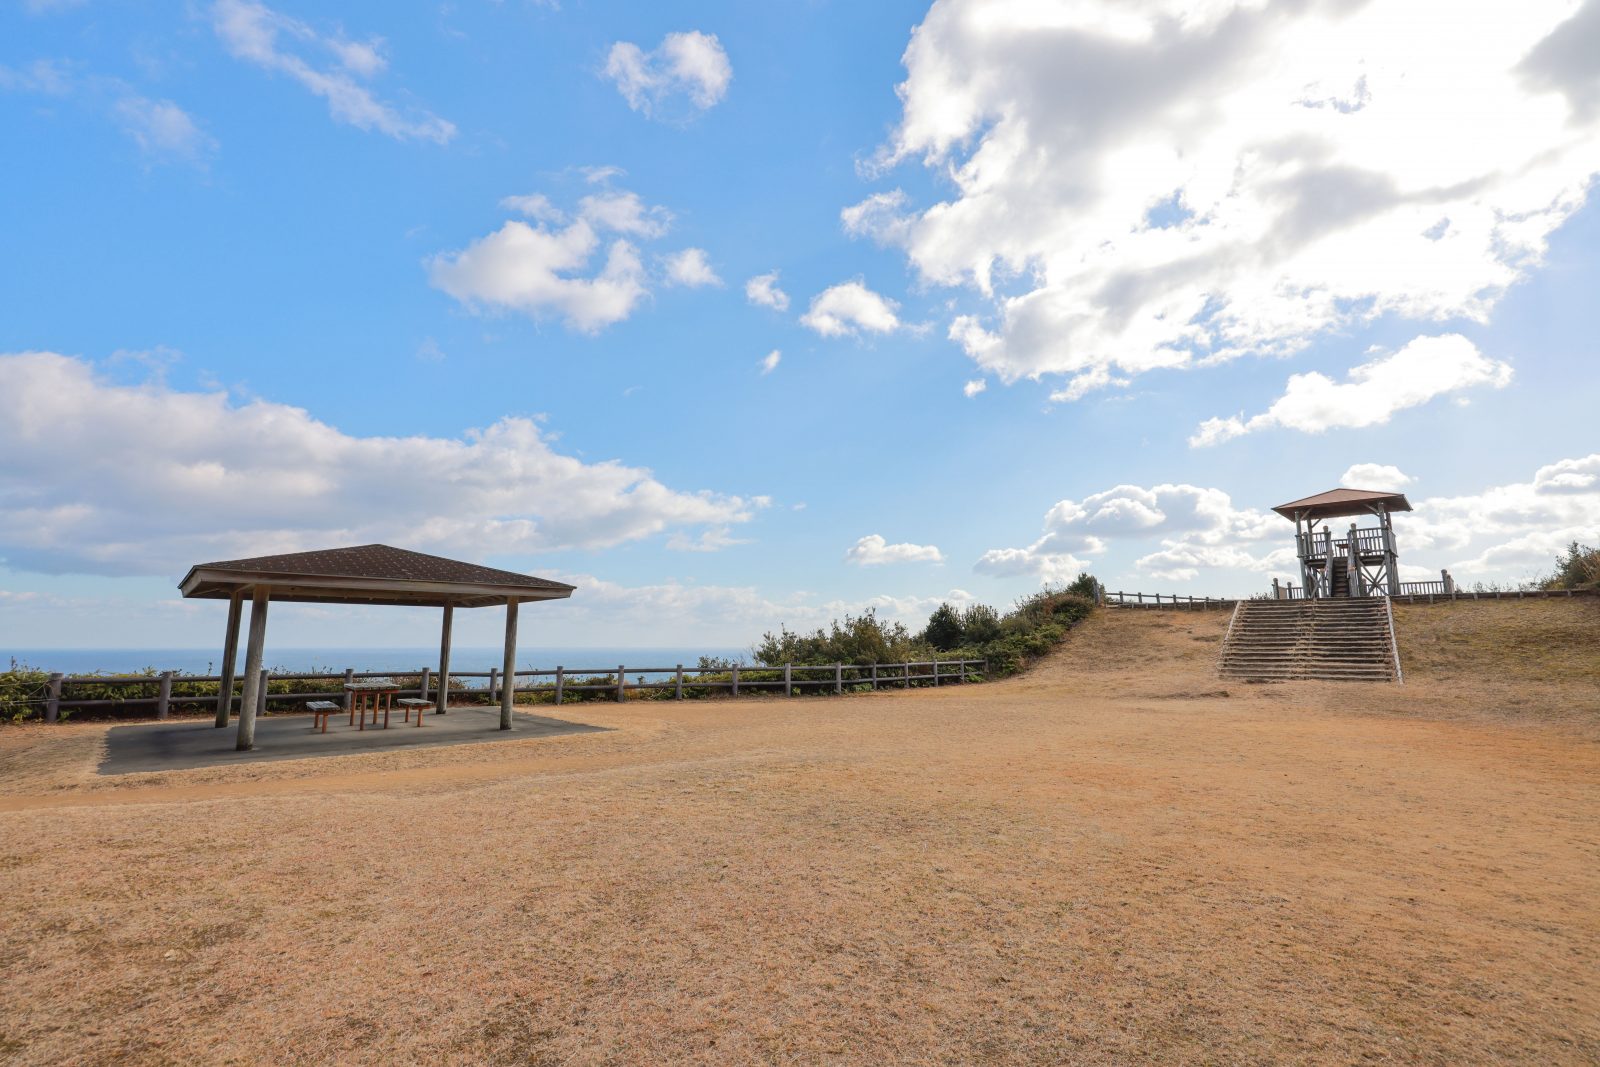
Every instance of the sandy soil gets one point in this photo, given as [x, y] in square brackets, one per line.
[1114, 858]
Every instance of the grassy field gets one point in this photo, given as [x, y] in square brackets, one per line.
[1115, 857]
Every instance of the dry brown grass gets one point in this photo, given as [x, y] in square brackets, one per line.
[1105, 860]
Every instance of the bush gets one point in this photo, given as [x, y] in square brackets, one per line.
[943, 631]
[980, 624]
[1578, 569]
[858, 639]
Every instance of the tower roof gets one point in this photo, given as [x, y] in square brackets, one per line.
[1337, 502]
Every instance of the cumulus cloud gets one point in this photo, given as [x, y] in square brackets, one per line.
[330, 65]
[763, 291]
[162, 129]
[117, 479]
[1427, 367]
[1193, 523]
[685, 68]
[1165, 183]
[1511, 530]
[873, 550]
[548, 267]
[690, 268]
[1375, 476]
[848, 308]
[769, 362]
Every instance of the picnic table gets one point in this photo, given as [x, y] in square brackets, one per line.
[371, 693]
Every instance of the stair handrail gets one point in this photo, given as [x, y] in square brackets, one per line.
[1394, 640]
[1222, 655]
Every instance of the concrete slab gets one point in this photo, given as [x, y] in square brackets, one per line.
[172, 746]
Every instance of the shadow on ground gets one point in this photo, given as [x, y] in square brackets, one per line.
[175, 746]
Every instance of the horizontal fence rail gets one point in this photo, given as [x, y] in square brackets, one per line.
[1166, 600]
[161, 690]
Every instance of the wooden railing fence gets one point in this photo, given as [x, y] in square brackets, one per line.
[1166, 600]
[158, 690]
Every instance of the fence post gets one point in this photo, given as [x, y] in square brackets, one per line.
[677, 691]
[349, 676]
[422, 686]
[561, 678]
[261, 692]
[622, 684]
[164, 698]
[52, 702]
[874, 677]
[936, 672]
[494, 685]
[735, 679]
[788, 680]
[838, 677]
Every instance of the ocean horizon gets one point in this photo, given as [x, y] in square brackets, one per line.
[290, 660]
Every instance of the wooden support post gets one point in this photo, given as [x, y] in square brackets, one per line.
[230, 657]
[422, 685]
[874, 677]
[445, 627]
[735, 679]
[164, 697]
[788, 680]
[561, 682]
[838, 677]
[253, 696]
[622, 683]
[508, 690]
[494, 684]
[678, 687]
[349, 676]
[52, 700]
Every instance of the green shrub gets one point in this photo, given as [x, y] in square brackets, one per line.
[1578, 569]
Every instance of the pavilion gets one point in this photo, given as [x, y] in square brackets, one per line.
[368, 574]
[1365, 562]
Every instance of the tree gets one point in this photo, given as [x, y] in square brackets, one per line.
[944, 628]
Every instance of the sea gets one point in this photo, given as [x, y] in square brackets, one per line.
[205, 661]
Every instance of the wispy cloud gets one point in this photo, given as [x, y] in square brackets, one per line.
[330, 65]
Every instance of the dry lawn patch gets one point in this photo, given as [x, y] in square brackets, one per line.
[1115, 857]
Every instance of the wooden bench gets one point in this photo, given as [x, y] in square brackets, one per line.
[411, 704]
[320, 710]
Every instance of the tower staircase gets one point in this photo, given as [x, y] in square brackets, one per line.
[1345, 639]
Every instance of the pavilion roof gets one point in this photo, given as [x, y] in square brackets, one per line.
[1337, 502]
[368, 574]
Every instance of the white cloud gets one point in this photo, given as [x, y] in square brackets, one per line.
[690, 268]
[1375, 476]
[329, 65]
[689, 66]
[91, 485]
[769, 362]
[625, 212]
[1490, 533]
[849, 307]
[162, 128]
[1425, 368]
[763, 291]
[974, 387]
[47, 76]
[1193, 523]
[1165, 183]
[873, 549]
[880, 216]
[534, 206]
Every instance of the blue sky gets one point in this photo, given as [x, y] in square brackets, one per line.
[1077, 285]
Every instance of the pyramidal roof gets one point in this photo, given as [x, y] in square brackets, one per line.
[367, 574]
[1337, 502]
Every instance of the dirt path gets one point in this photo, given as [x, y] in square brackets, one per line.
[1114, 857]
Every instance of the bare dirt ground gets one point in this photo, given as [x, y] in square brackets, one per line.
[1115, 858]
